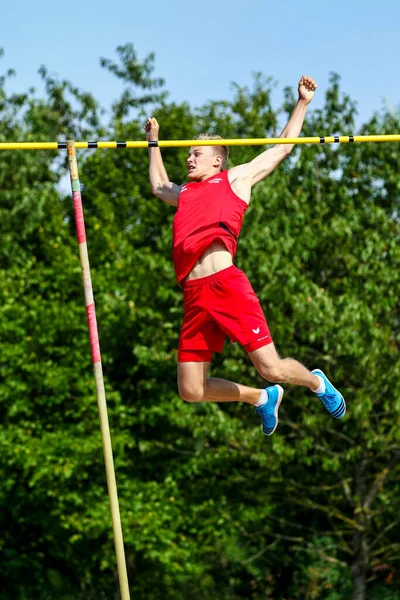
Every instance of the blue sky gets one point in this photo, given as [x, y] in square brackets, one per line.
[202, 46]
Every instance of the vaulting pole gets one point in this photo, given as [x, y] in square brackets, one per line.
[98, 371]
[332, 139]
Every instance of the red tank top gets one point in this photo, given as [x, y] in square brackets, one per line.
[207, 210]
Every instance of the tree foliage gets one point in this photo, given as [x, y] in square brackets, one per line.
[210, 508]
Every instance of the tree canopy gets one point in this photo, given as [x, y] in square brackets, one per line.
[210, 508]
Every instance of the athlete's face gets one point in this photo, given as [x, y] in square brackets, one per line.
[202, 162]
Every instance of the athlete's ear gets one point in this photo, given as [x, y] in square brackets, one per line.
[217, 160]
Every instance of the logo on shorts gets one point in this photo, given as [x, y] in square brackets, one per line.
[256, 331]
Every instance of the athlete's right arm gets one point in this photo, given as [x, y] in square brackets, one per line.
[161, 186]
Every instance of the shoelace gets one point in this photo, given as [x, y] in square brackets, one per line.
[329, 399]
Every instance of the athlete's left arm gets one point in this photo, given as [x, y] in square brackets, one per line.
[261, 166]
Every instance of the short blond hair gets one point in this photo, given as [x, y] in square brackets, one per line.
[222, 150]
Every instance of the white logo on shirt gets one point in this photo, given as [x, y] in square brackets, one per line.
[216, 180]
[183, 188]
[256, 330]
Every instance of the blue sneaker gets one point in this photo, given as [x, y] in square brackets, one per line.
[331, 398]
[269, 411]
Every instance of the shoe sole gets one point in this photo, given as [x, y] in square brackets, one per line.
[280, 396]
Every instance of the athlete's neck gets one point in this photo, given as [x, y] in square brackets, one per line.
[204, 177]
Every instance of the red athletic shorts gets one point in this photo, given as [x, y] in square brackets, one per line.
[220, 305]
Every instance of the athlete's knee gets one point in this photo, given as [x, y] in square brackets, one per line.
[272, 372]
[189, 393]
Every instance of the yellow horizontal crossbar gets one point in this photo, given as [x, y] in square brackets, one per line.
[186, 143]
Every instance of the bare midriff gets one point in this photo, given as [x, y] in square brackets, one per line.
[215, 258]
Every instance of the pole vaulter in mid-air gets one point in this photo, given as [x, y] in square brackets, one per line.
[218, 298]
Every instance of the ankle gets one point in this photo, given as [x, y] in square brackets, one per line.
[263, 398]
[319, 386]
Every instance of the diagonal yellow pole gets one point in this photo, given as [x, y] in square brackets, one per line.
[330, 139]
[98, 372]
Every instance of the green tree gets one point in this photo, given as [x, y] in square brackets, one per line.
[210, 508]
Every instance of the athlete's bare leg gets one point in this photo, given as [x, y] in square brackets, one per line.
[195, 386]
[282, 370]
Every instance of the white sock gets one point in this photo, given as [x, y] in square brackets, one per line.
[263, 398]
[322, 386]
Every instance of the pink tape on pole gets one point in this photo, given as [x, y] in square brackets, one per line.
[79, 220]
[93, 333]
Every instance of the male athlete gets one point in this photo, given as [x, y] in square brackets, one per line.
[218, 298]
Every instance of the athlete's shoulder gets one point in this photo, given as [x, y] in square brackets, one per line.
[238, 172]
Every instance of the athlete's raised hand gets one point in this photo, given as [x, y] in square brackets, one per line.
[151, 128]
[307, 87]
